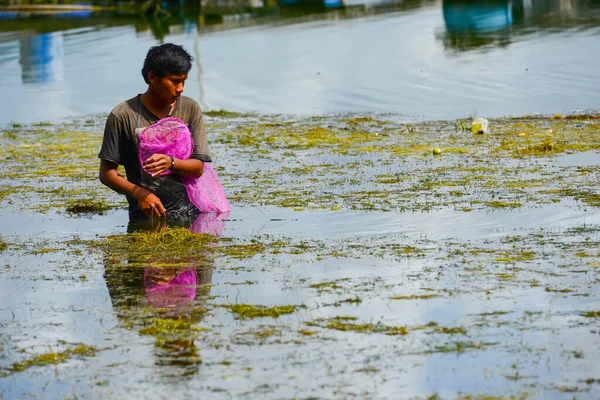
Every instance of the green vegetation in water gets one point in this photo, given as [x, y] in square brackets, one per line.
[379, 165]
[171, 246]
[592, 199]
[87, 206]
[547, 146]
[416, 297]
[167, 331]
[306, 332]
[50, 358]
[564, 290]
[478, 171]
[223, 114]
[458, 330]
[266, 332]
[591, 314]
[243, 250]
[258, 335]
[3, 245]
[248, 311]
[164, 238]
[511, 257]
[360, 120]
[459, 347]
[346, 324]
[340, 324]
[492, 313]
[502, 204]
[328, 285]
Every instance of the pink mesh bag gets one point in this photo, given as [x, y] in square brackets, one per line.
[172, 137]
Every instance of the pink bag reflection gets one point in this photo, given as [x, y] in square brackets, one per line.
[170, 287]
[172, 137]
[211, 223]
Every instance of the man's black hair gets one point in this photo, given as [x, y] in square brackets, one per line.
[167, 59]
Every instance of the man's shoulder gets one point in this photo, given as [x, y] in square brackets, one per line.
[189, 104]
[127, 108]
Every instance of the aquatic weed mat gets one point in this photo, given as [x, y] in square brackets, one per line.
[500, 303]
[389, 308]
[363, 163]
[54, 167]
[354, 162]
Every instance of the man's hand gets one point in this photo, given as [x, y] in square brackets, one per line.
[150, 204]
[156, 164]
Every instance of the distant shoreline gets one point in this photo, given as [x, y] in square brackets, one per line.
[55, 7]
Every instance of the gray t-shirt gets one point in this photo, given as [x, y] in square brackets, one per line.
[119, 146]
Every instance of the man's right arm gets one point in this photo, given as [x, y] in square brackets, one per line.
[149, 203]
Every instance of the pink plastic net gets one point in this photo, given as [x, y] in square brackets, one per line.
[168, 136]
[172, 137]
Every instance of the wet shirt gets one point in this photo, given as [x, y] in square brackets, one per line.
[119, 146]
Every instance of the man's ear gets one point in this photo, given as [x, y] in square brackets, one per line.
[152, 78]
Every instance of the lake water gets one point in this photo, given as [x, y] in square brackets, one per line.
[472, 274]
[418, 59]
[354, 262]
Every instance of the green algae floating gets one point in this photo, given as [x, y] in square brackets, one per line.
[174, 238]
[340, 324]
[327, 286]
[87, 206]
[51, 358]
[450, 331]
[248, 311]
[343, 324]
[416, 297]
[262, 332]
[367, 328]
[591, 314]
[223, 114]
[306, 332]
[273, 136]
[502, 204]
[167, 326]
[169, 332]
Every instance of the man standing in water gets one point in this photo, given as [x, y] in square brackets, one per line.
[165, 70]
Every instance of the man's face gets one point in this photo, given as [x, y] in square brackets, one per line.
[169, 87]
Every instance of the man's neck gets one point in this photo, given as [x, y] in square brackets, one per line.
[156, 105]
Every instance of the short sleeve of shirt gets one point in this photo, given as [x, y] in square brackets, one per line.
[201, 148]
[111, 143]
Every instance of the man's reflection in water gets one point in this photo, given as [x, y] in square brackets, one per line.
[170, 287]
[165, 300]
[176, 295]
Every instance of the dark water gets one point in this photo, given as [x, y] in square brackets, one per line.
[421, 59]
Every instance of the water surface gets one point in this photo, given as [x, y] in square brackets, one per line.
[354, 263]
[419, 59]
[383, 271]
